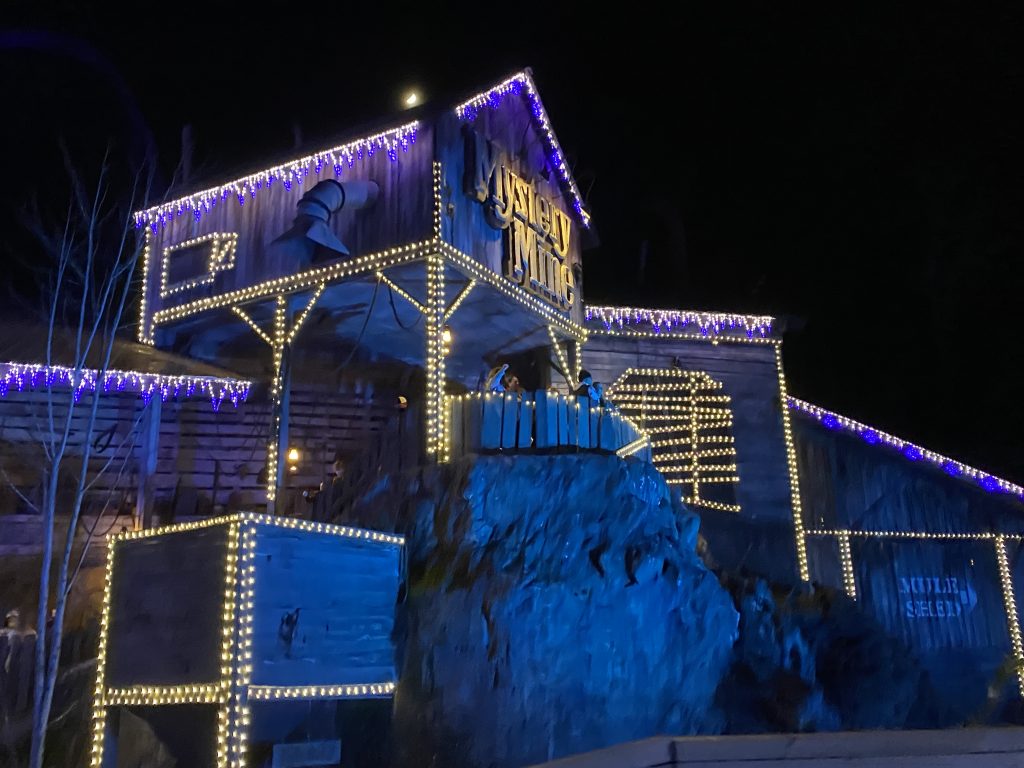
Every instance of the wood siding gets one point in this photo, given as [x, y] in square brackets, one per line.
[464, 225]
[749, 377]
[402, 214]
[847, 484]
[205, 458]
[165, 609]
[340, 593]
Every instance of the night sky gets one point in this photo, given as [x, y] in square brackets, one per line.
[856, 173]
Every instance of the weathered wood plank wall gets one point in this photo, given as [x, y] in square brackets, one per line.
[166, 609]
[944, 597]
[324, 609]
[205, 458]
[464, 224]
[749, 376]
[402, 214]
[847, 484]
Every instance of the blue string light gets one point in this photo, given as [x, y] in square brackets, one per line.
[911, 452]
[22, 376]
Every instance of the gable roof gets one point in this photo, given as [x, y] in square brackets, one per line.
[294, 171]
[521, 84]
[392, 141]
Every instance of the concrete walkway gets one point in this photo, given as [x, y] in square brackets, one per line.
[967, 747]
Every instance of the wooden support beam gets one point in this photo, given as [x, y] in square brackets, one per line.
[563, 361]
[278, 404]
[436, 417]
[459, 299]
[149, 444]
[401, 292]
[252, 324]
[280, 339]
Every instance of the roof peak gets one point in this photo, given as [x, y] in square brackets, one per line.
[521, 83]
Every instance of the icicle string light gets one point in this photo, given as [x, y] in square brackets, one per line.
[21, 376]
[674, 320]
[910, 451]
[521, 84]
[290, 174]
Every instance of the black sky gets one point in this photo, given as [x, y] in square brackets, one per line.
[857, 171]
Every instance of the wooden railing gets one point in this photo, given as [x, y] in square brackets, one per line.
[515, 422]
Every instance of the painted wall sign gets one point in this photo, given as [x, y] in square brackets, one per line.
[936, 597]
[538, 231]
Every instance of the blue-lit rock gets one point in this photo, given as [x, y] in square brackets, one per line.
[556, 605]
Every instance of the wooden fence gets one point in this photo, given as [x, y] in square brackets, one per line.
[539, 421]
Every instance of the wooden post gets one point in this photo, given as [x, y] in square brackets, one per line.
[149, 444]
[276, 449]
[434, 312]
[281, 420]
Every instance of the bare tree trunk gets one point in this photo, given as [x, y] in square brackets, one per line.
[62, 587]
[96, 291]
[39, 672]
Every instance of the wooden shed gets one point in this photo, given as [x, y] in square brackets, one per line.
[227, 639]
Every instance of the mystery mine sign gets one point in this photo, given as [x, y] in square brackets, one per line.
[538, 231]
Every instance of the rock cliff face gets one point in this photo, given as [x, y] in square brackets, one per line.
[555, 604]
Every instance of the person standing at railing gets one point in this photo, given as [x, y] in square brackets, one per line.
[588, 388]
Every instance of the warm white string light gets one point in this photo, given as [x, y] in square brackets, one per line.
[297, 324]
[308, 526]
[144, 333]
[299, 692]
[846, 562]
[400, 291]
[99, 711]
[311, 278]
[570, 376]
[221, 257]
[472, 268]
[709, 503]
[436, 427]
[150, 695]
[940, 536]
[457, 301]
[1010, 604]
[794, 476]
[247, 319]
[675, 413]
